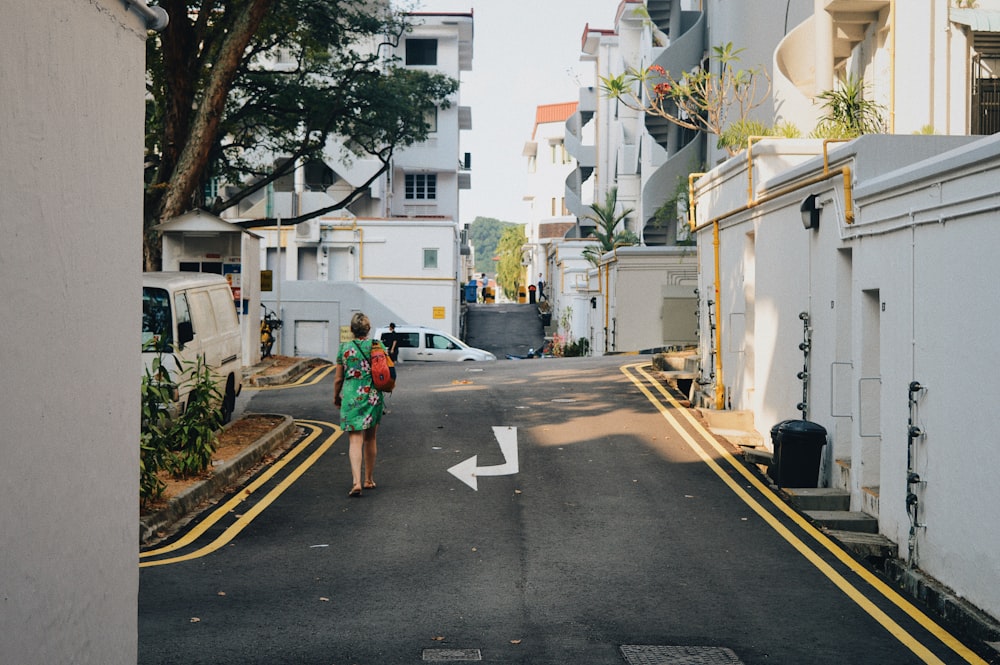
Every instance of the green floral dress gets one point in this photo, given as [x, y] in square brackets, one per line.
[361, 404]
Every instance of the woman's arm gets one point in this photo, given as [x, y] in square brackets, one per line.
[338, 383]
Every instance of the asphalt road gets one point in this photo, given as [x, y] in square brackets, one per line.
[612, 522]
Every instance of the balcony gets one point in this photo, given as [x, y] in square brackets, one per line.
[585, 155]
[851, 19]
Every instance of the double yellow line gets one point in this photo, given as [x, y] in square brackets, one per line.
[806, 551]
[316, 429]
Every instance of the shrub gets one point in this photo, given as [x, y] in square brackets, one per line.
[182, 445]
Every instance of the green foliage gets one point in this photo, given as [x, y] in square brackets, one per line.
[846, 112]
[607, 219]
[734, 138]
[510, 269]
[183, 444]
[242, 92]
[579, 348]
[484, 235]
[700, 99]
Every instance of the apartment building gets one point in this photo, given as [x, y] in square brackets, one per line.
[398, 252]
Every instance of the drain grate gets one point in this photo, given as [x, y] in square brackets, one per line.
[650, 654]
[451, 655]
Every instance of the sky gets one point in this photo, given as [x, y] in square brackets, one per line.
[525, 53]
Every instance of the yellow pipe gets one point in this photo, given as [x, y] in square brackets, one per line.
[691, 179]
[844, 171]
[720, 390]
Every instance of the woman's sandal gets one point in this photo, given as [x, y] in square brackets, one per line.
[355, 492]
[370, 485]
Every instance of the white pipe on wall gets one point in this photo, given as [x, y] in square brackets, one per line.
[156, 17]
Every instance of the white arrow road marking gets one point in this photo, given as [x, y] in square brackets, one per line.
[468, 472]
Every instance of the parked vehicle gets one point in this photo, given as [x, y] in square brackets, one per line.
[428, 344]
[187, 315]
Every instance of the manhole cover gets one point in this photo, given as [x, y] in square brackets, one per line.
[451, 655]
[649, 654]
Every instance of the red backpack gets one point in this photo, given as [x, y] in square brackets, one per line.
[383, 369]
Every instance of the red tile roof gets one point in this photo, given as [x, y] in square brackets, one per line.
[553, 113]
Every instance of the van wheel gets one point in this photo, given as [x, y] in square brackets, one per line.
[228, 402]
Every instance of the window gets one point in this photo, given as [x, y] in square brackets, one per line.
[431, 120]
[421, 51]
[430, 258]
[421, 186]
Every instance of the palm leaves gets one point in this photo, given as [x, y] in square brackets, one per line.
[608, 219]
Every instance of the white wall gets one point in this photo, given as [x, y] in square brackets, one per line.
[71, 137]
[904, 293]
[374, 266]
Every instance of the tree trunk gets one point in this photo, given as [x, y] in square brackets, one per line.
[188, 171]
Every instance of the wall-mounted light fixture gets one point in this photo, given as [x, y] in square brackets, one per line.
[810, 212]
[156, 17]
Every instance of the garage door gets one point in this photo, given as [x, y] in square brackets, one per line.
[312, 339]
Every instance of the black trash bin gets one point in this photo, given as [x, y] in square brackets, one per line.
[798, 445]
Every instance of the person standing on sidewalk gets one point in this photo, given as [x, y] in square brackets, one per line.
[360, 403]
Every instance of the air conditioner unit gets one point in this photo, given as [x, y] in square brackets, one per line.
[307, 231]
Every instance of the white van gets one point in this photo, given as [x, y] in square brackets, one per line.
[419, 343]
[190, 315]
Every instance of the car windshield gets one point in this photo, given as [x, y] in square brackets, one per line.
[156, 320]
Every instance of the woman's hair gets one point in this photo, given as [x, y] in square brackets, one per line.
[360, 325]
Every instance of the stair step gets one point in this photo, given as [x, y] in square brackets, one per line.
[755, 455]
[865, 544]
[819, 498]
[844, 520]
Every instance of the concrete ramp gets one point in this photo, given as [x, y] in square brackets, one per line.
[506, 328]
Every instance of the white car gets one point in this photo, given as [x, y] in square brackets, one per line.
[420, 343]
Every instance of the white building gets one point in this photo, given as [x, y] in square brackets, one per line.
[398, 253]
[549, 163]
[853, 284]
[640, 297]
[71, 144]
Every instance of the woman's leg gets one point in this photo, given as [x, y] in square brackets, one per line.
[356, 441]
[370, 452]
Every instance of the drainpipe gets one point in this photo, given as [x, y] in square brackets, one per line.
[720, 390]
[844, 171]
[156, 17]
[892, 67]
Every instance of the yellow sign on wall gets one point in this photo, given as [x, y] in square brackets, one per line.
[439, 312]
[345, 334]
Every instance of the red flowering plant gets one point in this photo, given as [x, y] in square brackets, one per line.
[702, 99]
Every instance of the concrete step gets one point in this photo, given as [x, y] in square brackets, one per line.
[819, 498]
[865, 545]
[844, 520]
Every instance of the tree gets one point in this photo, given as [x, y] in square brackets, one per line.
[243, 91]
[608, 219]
[510, 269]
[700, 99]
[484, 235]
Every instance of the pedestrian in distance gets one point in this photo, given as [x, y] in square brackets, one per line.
[541, 288]
[360, 403]
[391, 342]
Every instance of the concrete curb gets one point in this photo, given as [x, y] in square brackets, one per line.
[289, 374]
[222, 476]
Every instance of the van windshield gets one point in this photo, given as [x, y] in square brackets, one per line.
[156, 320]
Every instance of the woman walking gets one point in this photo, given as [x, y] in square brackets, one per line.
[359, 402]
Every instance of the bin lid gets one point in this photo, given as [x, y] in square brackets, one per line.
[798, 427]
